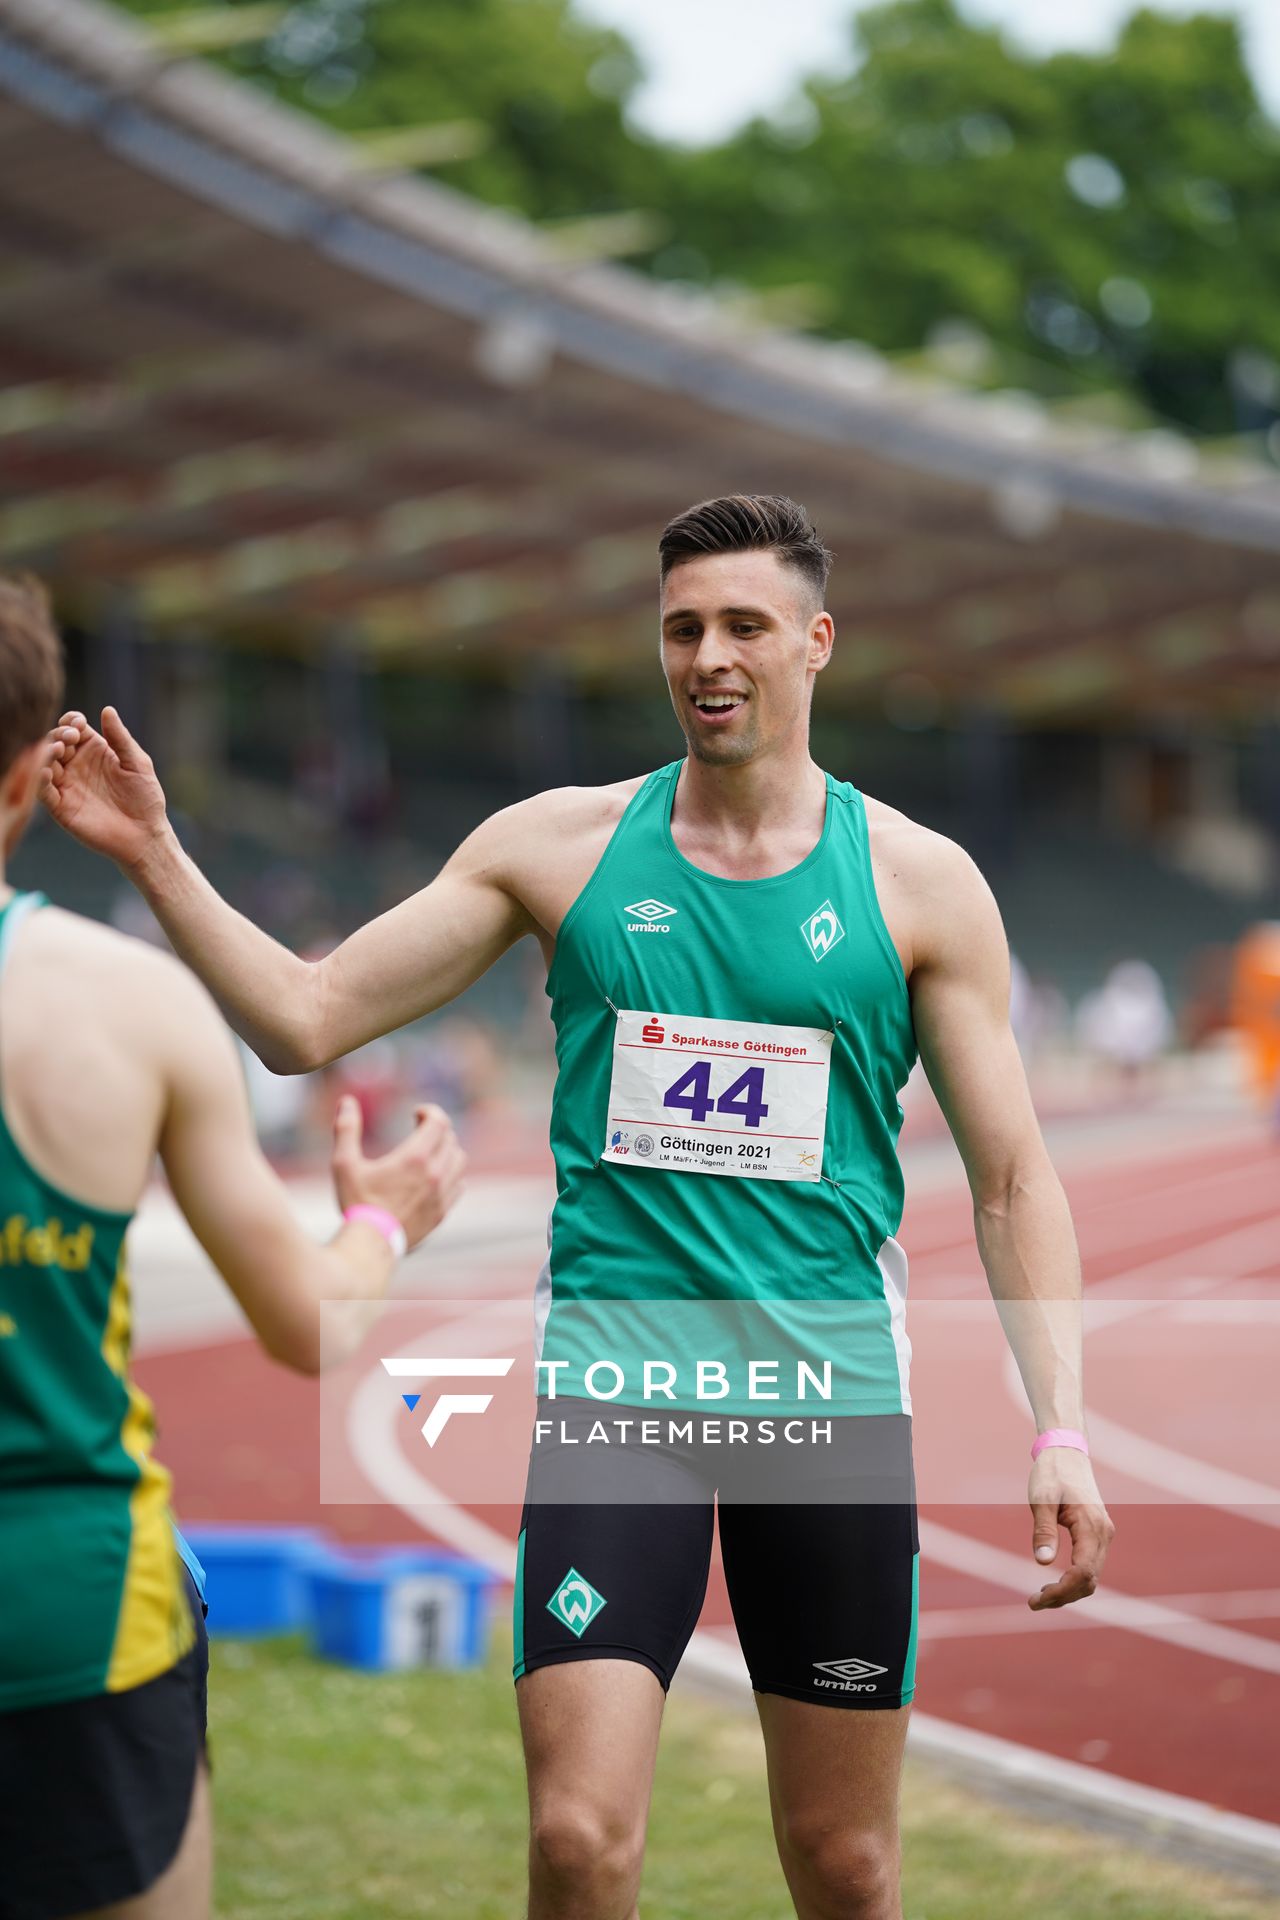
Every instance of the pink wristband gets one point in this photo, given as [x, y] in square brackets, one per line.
[1059, 1437]
[384, 1223]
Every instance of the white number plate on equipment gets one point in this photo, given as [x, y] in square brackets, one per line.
[718, 1096]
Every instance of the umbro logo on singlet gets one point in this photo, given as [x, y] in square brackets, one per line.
[822, 931]
[648, 915]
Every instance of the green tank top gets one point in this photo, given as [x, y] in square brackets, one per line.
[92, 1598]
[725, 1125]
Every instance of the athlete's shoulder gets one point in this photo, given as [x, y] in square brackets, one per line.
[912, 852]
[57, 931]
[936, 885]
[104, 966]
[558, 817]
[585, 807]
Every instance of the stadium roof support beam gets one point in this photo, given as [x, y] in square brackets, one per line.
[275, 415]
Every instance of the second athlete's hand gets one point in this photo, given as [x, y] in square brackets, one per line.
[417, 1181]
[1063, 1493]
[102, 787]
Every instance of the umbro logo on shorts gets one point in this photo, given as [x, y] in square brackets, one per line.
[849, 1676]
[576, 1603]
[648, 914]
[822, 931]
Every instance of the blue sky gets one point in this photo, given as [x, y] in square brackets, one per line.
[713, 63]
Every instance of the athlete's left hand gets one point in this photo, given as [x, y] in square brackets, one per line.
[1063, 1493]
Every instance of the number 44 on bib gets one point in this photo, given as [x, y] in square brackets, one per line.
[736, 1098]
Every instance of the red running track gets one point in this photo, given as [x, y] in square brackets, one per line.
[1190, 1703]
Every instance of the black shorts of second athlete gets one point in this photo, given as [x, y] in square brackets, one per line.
[820, 1548]
[95, 1794]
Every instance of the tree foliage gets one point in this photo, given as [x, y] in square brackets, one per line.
[1073, 223]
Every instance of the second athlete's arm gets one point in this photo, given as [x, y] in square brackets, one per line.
[237, 1206]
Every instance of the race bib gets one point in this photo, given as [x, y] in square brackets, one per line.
[718, 1096]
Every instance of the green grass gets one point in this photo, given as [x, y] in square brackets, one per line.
[343, 1796]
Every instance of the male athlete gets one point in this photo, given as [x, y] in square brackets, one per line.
[744, 956]
[110, 1052]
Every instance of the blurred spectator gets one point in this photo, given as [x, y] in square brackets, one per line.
[1039, 1012]
[280, 1102]
[130, 914]
[1127, 1022]
[1255, 1004]
[375, 1075]
[457, 1063]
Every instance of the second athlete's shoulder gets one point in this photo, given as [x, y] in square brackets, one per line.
[109, 981]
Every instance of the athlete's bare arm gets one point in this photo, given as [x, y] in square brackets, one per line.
[516, 874]
[957, 960]
[238, 1209]
[143, 1061]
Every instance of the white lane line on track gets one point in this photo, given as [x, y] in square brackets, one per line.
[979, 1623]
[1150, 1618]
[372, 1418]
[1195, 1481]
[1098, 1222]
[715, 1657]
[373, 1424]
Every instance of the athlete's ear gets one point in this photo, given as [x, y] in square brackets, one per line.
[21, 783]
[20, 789]
[822, 637]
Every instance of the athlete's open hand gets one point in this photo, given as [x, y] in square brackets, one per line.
[1064, 1493]
[418, 1181]
[103, 788]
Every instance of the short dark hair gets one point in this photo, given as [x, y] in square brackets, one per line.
[31, 669]
[746, 523]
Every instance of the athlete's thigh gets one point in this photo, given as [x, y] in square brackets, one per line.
[832, 1772]
[825, 1598]
[824, 1588]
[611, 1575]
[590, 1734]
[613, 1554]
[183, 1890]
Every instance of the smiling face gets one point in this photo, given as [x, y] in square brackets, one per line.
[742, 639]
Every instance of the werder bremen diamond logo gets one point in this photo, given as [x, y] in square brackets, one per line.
[822, 931]
[575, 1602]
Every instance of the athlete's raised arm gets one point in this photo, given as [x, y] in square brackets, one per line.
[960, 1004]
[238, 1209]
[295, 1014]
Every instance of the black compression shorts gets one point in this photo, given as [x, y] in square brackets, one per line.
[820, 1550]
[95, 1794]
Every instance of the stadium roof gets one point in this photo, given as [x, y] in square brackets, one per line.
[250, 385]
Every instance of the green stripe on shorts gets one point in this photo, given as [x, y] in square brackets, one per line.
[517, 1612]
